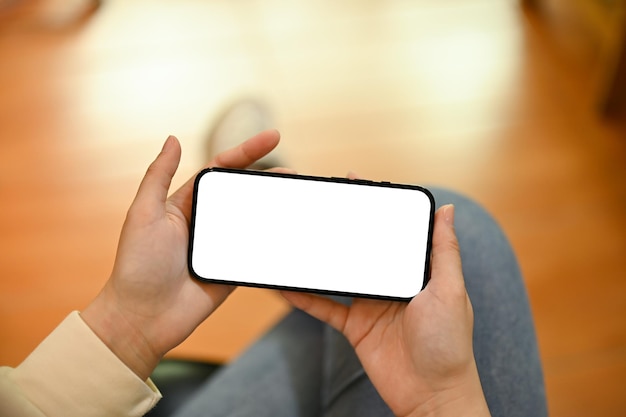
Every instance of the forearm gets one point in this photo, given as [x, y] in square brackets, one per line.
[13, 400]
[114, 330]
[72, 373]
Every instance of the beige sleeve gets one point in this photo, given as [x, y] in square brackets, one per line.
[72, 373]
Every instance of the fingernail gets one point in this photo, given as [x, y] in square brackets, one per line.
[167, 143]
[448, 214]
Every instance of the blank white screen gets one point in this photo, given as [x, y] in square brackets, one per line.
[310, 234]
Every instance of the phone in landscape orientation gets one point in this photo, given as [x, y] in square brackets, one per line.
[326, 235]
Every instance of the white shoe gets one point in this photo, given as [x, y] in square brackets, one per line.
[240, 121]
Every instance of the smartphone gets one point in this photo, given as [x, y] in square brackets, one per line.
[333, 236]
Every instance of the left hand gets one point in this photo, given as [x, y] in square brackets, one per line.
[150, 304]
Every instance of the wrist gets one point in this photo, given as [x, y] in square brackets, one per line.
[126, 341]
[463, 398]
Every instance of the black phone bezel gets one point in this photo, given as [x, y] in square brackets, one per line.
[362, 182]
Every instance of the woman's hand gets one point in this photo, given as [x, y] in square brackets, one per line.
[150, 304]
[418, 355]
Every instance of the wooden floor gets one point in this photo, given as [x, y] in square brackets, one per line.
[475, 95]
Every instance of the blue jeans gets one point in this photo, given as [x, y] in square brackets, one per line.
[304, 368]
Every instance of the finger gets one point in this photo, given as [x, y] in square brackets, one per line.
[240, 156]
[351, 175]
[446, 258]
[156, 182]
[329, 311]
[249, 151]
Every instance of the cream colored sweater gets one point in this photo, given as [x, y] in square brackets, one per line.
[72, 373]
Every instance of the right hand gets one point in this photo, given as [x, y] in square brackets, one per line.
[418, 355]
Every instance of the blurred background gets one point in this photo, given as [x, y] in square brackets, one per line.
[519, 104]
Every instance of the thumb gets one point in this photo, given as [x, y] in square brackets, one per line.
[446, 258]
[156, 182]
